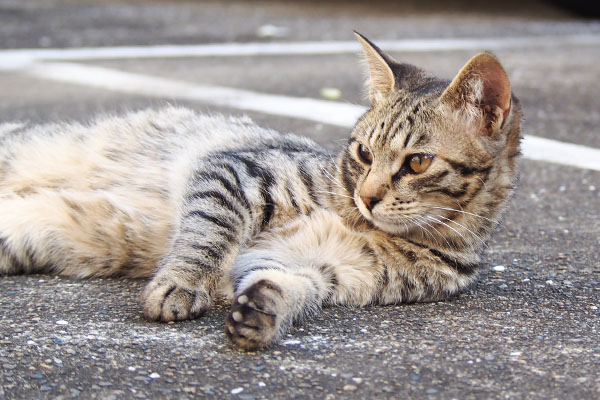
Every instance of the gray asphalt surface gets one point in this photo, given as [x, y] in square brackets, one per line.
[527, 329]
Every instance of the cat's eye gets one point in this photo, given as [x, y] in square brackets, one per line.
[365, 154]
[418, 163]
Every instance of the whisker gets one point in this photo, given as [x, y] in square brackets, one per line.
[427, 231]
[475, 235]
[464, 212]
[435, 229]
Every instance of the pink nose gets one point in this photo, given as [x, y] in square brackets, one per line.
[370, 202]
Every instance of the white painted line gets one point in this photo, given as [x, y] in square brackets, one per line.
[24, 56]
[574, 155]
[327, 112]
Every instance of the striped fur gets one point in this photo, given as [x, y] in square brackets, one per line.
[208, 204]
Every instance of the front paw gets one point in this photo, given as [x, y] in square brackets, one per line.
[253, 322]
[165, 300]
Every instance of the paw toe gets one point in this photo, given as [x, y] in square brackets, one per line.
[167, 302]
[252, 323]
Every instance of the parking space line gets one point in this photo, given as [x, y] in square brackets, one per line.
[18, 57]
[328, 112]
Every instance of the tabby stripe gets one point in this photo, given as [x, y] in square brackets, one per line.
[222, 200]
[307, 181]
[11, 256]
[267, 183]
[373, 130]
[422, 139]
[430, 292]
[395, 126]
[210, 252]
[465, 269]
[197, 262]
[406, 287]
[408, 136]
[452, 193]
[346, 178]
[225, 234]
[358, 167]
[385, 279]
[329, 271]
[27, 256]
[215, 220]
[238, 279]
[466, 170]
[235, 191]
[437, 178]
[252, 168]
[292, 197]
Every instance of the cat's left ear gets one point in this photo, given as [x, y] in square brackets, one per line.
[482, 91]
[381, 80]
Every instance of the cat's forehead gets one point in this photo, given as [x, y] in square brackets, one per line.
[398, 124]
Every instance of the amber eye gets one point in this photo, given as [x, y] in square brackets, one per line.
[419, 162]
[364, 154]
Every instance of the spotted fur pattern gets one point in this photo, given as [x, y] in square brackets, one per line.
[208, 204]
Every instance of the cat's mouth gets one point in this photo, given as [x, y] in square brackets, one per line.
[393, 223]
[405, 220]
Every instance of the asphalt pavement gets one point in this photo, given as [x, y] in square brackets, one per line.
[527, 329]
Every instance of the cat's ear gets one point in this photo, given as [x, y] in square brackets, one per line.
[381, 80]
[482, 91]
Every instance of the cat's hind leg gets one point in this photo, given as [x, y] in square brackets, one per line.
[76, 234]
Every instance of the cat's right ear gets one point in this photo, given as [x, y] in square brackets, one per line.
[381, 80]
[482, 91]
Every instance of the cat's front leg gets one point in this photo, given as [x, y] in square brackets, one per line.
[290, 272]
[270, 299]
[216, 217]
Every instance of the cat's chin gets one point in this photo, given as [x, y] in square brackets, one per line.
[392, 228]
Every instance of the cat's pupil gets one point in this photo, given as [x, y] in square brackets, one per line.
[419, 162]
[365, 154]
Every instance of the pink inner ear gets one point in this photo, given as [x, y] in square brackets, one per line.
[495, 97]
[496, 87]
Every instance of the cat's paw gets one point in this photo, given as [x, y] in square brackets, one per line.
[164, 300]
[253, 322]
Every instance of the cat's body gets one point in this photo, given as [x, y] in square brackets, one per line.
[205, 203]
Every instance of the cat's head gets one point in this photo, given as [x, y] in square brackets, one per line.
[431, 154]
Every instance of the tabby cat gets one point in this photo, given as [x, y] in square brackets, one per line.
[207, 204]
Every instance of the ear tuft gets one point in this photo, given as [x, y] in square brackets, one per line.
[481, 90]
[381, 81]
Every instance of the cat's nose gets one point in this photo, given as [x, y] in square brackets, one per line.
[370, 201]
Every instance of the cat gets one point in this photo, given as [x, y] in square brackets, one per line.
[207, 204]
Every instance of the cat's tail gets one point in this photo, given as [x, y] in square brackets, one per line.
[13, 260]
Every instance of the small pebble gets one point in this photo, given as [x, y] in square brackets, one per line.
[61, 322]
[349, 388]
[331, 93]
[237, 390]
[499, 268]
[154, 375]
